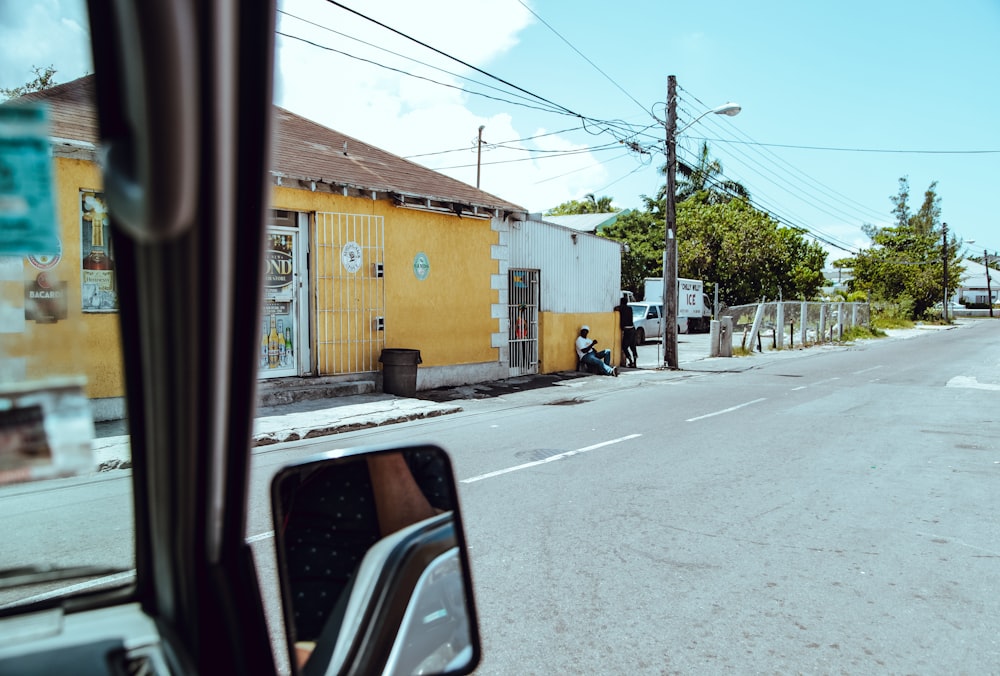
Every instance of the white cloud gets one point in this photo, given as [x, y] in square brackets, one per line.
[41, 34]
[409, 116]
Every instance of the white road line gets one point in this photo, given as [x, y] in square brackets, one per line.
[824, 382]
[800, 387]
[873, 368]
[553, 458]
[127, 576]
[726, 410]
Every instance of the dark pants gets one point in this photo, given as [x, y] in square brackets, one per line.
[628, 344]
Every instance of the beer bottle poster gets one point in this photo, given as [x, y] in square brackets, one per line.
[98, 290]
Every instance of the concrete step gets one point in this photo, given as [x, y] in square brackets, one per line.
[281, 391]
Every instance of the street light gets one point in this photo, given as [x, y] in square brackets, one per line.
[670, 240]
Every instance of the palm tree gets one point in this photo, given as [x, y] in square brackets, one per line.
[594, 205]
[590, 204]
[706, 177]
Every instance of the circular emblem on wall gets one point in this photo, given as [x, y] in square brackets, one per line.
[421, 266]
[350, 257]
[46, 261]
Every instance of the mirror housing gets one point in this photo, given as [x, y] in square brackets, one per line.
[373, 563]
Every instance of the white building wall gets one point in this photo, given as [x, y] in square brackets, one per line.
[580, 272]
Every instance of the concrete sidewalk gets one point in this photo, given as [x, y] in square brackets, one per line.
[324, 417]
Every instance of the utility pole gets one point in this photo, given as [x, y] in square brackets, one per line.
[989, 291]
[479, 153]
[670, 239]
[944, 254]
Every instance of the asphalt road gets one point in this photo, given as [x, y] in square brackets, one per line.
[832, 511]
[826, 511]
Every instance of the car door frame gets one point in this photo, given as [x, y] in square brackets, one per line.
[184, 86]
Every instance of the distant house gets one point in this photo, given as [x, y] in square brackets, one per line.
[977, 284]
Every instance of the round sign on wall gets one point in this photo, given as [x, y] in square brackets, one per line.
[421, 266]
[350, 257]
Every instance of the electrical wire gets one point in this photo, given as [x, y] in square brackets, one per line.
[397, 54]
[567, 153]
[413, 75]
[452, 58]
[861, 209]
[623, 132]
[501, 144]
[582, 55]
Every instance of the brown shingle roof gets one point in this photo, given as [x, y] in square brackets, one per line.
[303, 150]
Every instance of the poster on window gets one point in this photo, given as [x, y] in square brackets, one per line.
[278, 328]
[98, 290]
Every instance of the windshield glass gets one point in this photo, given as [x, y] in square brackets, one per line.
[66, 514]
[638, 311]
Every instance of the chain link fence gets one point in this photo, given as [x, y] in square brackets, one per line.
[761, 326]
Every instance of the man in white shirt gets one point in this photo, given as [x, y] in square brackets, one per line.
[587, 355]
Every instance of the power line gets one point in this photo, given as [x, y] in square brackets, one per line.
[763, 151]
[453, 58]
[574, 171]
[863, 150]
[501, 144]
[580, 151]
[397, 54]
[413, 75]
[842, 201]
[582, 55]
[622, 131]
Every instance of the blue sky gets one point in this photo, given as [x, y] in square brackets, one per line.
[856, 76]
[887, 75]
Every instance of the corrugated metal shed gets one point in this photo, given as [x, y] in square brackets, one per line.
[580, 272]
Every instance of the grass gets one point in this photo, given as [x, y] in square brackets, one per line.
[884, 322]
[863, 332]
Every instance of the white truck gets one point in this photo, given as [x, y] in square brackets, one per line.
[692, 303]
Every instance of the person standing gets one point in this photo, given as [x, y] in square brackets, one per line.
[627, 324]
[587, 355]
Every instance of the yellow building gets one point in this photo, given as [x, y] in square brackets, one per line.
[367, 251]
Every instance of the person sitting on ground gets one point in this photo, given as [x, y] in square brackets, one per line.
[592, 358]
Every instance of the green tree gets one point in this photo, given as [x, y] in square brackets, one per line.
[44, 78]
[588, 205]
[706, 176]
[905, 264]
[733, 245]
[746, 252]
[642, 254]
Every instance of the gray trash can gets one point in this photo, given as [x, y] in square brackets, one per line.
[399, 371]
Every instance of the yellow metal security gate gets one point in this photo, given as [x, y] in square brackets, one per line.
[522, 313]
[350, 297]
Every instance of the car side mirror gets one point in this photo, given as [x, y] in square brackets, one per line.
[373, 564]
